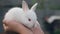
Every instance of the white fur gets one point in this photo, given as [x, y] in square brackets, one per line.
[22, 15]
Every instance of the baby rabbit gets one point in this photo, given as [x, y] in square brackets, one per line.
[24, 15]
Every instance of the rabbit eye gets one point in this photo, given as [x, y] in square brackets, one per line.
[29, 19]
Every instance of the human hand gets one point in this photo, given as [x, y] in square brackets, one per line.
[17, 27]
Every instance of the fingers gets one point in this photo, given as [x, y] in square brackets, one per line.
[8, 24]
[4, 27]
[37, 29]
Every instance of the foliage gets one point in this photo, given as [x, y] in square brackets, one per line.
[55, 7]
[57, 31]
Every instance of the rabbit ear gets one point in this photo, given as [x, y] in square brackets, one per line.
[25, 6]
[34, 6]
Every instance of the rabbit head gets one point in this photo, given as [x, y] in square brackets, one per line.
[30, 13]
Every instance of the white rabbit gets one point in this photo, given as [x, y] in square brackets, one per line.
[23, 15]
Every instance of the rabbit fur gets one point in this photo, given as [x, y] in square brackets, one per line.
[23, 15]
